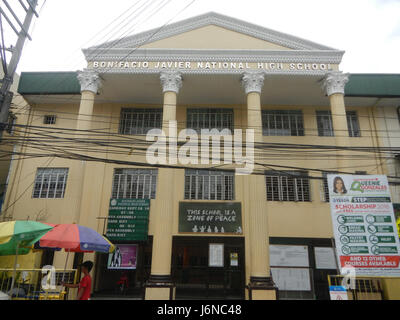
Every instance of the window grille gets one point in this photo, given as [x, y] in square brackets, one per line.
[140, 121]
[49, 119]
[209, 185]
[134, 184]
[325, 187]
[50, 183]
[361, 173]
[288, 186]
[12, 119]
[324, 122]
[353, 124]
[283, 123]
[220, 119]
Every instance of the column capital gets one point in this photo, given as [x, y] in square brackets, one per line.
[335, 82]
[89, 80]
[171, 81]
[253, 81]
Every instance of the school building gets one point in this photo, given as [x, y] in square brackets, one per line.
[202, 230]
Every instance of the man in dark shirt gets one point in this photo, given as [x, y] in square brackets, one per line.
[85, 286]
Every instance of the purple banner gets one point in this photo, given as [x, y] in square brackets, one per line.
[123, 258]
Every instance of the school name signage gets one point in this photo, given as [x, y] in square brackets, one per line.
[210, 218]
[216, 66]
[128, 220]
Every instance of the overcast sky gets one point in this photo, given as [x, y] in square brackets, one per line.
[368, 30]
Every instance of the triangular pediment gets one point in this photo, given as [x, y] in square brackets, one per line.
[213, 31]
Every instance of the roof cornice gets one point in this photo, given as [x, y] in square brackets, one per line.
[220, 20]
[284, 56]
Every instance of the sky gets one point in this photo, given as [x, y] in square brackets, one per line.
[368, 30]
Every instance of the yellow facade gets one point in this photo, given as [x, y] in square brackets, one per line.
[89, 185]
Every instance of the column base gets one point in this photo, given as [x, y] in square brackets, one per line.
[159, 288]
[261, 288]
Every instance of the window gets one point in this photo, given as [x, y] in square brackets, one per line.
[49, 119]
[353, 125]
[282, 123]
[324, 122]
[220, 119]
[50, 183]
[140, 121]
[134, 184]
[209, 185]
[288, 186]
[325, 186]
[361, 173]
[12, 119]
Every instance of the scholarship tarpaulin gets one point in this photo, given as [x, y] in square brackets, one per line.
[364, 224]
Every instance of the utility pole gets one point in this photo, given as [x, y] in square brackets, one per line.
[5, 94]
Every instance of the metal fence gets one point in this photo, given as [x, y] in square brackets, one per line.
[37, 284]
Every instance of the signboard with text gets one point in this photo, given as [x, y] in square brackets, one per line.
[288, 256]
[128, 220]
[338, 293]
[128, 65]
[364, 224]
[212, 218]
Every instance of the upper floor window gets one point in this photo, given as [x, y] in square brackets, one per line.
[134, 184]
[220, 119]
[140, 121]
[50, 183]
[324, 122]
[353, 124]
[209, 185]
[49, 119]
[288, 186]
[282, 123]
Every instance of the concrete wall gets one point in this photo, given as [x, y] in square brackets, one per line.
[84, 204]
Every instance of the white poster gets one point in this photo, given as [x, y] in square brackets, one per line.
[325, 258]
[364, 224]
[216, 255]
[338, 293]
[292, 279]
[288, 256]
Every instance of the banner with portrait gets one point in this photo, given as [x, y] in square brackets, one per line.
[364, 224]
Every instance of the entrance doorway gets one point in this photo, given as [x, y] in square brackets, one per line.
[123, 282]
[197, 277]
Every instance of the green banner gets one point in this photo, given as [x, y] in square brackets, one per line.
[346, 250]
[210, 218]
[353, 239]
[370, 199]
[350, 219]
[128, 220]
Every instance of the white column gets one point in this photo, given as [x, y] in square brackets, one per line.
[160, 281]
[260, 276]
[334, 85]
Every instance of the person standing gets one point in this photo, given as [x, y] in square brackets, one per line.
[85, 286]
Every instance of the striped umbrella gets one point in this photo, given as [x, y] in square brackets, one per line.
[76, 238]
[18, 237]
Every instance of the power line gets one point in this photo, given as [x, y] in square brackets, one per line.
[117, 41]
